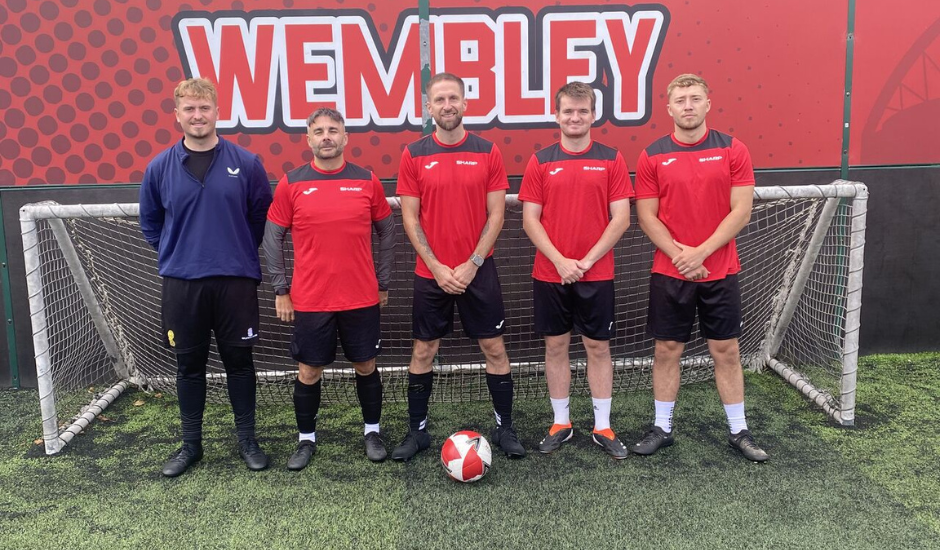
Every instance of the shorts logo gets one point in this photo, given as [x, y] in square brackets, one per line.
[311, 190]
[233, 172]
[668, 162]
[171, 338]
[595, 168]
[500, 325]
[251, 334]
[468, 162]
[611, 326]
[555, 171]
[709, 159]
[379, 343]
[432, 165]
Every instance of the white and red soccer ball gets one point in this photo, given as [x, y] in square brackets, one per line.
[466, 456]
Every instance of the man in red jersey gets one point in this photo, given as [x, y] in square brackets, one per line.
[694, 191]
[576, 196]
[453, 189]
[330, 206]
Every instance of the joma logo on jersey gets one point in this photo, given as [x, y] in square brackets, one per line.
[311, 190]
[272, 68]
[468, 162]
[709, 159]
[595, 168]
[350, 188]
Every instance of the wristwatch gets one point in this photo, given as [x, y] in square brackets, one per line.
[477, 260]
[282, 291]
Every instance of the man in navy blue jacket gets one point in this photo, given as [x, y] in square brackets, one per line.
[203, 205]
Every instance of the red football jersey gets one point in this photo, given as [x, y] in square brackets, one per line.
[693, 184]
[452, 182]
[330, 217]
[575, 191]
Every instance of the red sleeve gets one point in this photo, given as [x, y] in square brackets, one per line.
[282, 209]
[498, 179]
[618, 184]
[742, 171]
[380, 207]
[531, 190]
[407, 176]
[647, 185]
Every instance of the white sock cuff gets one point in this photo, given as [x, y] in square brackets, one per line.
[369, 428]
[312, 436]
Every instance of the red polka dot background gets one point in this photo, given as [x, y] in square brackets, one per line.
[86, 86]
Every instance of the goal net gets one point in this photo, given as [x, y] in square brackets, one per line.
[94, 297]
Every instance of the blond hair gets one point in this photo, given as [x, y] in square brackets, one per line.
[575, 90]
[685, 81]
[198, 88]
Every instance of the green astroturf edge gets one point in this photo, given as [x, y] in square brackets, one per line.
[872, 486]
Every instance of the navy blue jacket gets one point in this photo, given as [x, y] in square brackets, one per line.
[211, 228]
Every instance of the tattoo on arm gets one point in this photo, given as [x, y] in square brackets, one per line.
[419, 233]
[486, 229]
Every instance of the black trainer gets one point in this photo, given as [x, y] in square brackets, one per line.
[743, 441]
[506, 440]
[301, 457]
[557, 434]
[652, 441]
[414, 442]
[375, 447]
[608, 441]
[252, 454]
[182, 459]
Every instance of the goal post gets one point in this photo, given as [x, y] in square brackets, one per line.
[94, 297]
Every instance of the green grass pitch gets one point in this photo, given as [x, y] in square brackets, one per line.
[872, 486]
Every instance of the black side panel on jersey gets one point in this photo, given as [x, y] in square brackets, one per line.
[306, 172]
[665, 144]
[554, 153]
[426, 146]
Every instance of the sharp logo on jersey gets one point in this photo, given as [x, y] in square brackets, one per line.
[595, 168]
[555, 171]
[251, 334]
[273, 67]
[233, 172]
[709, 159]
[350, 188]
[432, 165]
[468, 162]
[311, 190]
[668, 162]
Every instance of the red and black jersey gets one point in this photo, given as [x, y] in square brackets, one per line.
[693, 184]
[452, 182]
[330, 217]
[575, 191]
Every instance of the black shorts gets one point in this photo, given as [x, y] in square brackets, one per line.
[481, 307]
[313, 341]
[673, 303]
[587, 306]
[192, 309]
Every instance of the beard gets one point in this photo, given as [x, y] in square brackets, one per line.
[689, 124]
[337, 151]
[449, 124]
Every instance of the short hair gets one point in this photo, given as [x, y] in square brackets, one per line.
[575, 90]
[199, 88]
[685, 81]
[332, 114]
[444, 77]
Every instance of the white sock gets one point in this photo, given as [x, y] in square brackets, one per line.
[664, 415]
[371, 428]
[736, 419]
[601, 414]
[560, 408]
[312, 436]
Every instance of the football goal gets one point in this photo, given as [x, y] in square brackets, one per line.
[94, 298]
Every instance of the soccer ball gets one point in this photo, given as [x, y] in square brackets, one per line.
[466, 456]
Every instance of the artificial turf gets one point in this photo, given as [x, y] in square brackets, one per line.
[872, 486]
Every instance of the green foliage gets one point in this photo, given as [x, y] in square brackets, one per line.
[872, 486]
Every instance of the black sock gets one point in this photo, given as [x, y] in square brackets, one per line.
[369, 391]
[240, 373]
[307, 405]
[191, 390]
[500, 386]
[419, 393]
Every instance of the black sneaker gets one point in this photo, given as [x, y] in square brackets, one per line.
[252, 454]
[608, 441]
[743, 441]
[652, 441]
[182, 459]
[557, 435]
[506, 440]
[375, 447]
[414, 442]
[301, 457]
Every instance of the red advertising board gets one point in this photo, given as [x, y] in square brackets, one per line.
[86, 91]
